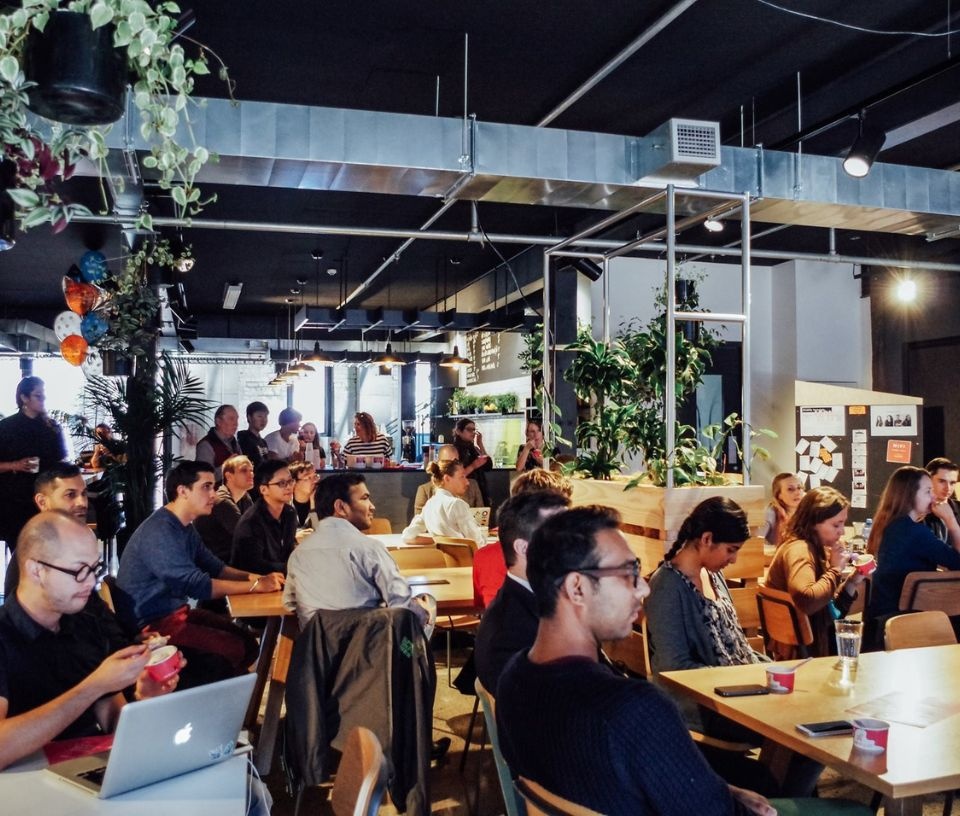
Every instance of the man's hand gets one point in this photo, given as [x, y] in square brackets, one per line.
[268, 583]
[753, 802]
[148, 687]
[119, 670]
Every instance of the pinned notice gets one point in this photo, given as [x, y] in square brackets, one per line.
[898, 451]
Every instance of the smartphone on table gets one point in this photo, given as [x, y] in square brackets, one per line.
[748, 690]
[830, 728]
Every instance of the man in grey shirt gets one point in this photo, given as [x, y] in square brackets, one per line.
[337, 566]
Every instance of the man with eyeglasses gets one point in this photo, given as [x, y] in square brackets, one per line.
[267, 533]
[446, 453]
[230, 502]
[165, 564]
[610, 743]
[62, 667]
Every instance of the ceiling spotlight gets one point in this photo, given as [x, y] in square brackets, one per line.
[331, 271]
[231, 294]
[453, 360]
[865, 149]
[907, 290]
[713, 225]
[316, 254]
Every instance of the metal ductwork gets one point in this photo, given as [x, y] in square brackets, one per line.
[679, 152]
[27, 337]
[293, 146]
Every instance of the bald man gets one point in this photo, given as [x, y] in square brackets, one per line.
[446, 453]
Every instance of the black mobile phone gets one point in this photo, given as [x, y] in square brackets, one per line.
[831, 728]
[741, 691]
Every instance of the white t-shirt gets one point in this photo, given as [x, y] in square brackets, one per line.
[283, 449]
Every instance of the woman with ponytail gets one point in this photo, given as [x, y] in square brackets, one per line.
[446, 513]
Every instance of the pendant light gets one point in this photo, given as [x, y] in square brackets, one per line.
[454, 360]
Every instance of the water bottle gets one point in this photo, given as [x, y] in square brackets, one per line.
[867, 527]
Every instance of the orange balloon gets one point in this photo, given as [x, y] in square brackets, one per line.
[80, 297]
[74, 349]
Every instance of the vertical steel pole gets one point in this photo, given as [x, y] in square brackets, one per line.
[548, 396]
[606, 300]
[670, 390]
[745, 364]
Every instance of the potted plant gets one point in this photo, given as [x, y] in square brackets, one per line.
[39, 153]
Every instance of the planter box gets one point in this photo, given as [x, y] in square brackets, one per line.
[652, 515]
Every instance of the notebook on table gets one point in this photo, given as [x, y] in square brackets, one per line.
[163, 737]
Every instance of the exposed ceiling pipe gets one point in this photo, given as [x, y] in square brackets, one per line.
[538, 240]
[609, 67]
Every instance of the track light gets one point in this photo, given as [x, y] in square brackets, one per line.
[231, 294]
[453, 360]
[865, 149]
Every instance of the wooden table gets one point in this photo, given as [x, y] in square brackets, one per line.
[918, 761]
[451, 586]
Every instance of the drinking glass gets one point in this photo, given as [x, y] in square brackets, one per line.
[848, 642]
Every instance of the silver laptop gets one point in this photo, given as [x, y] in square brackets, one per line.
[166, 736]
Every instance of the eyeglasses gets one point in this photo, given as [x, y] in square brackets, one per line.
[97, 570]
[630, 569]
[283, 484]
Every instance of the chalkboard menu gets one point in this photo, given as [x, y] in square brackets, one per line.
[493, 356]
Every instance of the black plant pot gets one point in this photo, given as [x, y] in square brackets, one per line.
[80, 77]
[116, 364]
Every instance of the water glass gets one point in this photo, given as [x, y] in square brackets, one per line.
[848, 642]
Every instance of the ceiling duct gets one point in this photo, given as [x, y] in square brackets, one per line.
[678, 152]
[27, 337]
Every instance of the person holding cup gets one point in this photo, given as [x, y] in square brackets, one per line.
[30, 442]
[809, 565]
[470, 451]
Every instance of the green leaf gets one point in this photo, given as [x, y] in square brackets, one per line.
[35, 218]
[100, 15]
[179, 196]
[24, 199]
[9, 68]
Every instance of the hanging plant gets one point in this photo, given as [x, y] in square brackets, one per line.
[39, 154]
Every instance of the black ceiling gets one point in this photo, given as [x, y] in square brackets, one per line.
[730, 61]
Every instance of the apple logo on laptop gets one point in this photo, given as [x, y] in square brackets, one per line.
[183, 735]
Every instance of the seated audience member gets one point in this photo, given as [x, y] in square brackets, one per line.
[62, 668]
[107, 450]
[252, 445]
[337, 566]
[267, 533]
[540, 479]
[220, 443]
[446, 453]
[614, 744]
[808, 565]
[509, 623]
[231, 501]
[530, 455]
[165, 564]
[366, 440]
[310, 445]
[446, 513]
[787, 492]
[903, 545]
[305, 485]
[943, 475]
[283, 443]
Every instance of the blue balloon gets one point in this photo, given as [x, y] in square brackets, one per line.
[93, 266]
[93, 327]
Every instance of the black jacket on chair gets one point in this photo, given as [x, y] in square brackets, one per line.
[369, 667]
[509, 625]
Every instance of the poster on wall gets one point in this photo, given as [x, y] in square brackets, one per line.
[822, 421]
[893, 420]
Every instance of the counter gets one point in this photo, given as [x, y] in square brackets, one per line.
[393, 491]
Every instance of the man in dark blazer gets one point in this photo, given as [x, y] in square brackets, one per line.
[509, 624]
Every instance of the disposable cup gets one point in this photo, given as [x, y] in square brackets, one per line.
[780, 680]
[870, 735]
[163, 663]
[865, 564]
[33, 464]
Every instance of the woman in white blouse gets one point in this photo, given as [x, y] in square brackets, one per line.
[446, 513]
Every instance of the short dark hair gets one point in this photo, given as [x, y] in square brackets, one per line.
[253, 407]
[333, 488]
[563, 544]
[184, 474]
[267, 470]
[288, 415]
[941, 463]
[58, 470]
[520, 515]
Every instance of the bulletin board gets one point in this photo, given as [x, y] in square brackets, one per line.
[855, 448]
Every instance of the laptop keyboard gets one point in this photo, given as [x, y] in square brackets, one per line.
[94, 775]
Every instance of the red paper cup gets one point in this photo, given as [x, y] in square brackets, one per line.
[163, 663]
[780, 681]
[865, 564]
[870, 735]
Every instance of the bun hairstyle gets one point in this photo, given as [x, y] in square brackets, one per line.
[438, 470]
[718, 515]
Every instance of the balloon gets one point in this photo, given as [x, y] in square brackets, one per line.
[93, 267]
[74, 273]
[81, 297]
[92, 366]
[74, 349]
[66, 323]
[93, 327]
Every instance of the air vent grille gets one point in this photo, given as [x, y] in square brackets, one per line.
[696, 141]
[679, 152]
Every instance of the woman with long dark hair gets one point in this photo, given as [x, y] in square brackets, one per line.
[902, 544]
[470, 451]
[809, 563]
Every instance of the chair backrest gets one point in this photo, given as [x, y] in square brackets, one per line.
[925, 591]
[105, 591]
[749, 563]
[511, 799]
[421, 558]
[461, 550]
[916, 629]
[361, 780]
[782, 621]
[541, 802]
[380, 526]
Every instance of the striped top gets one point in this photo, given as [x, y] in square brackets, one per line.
[381, 445]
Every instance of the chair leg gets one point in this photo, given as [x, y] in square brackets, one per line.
[449, 658]
[948, 803]
[466, 746]
[876, 801]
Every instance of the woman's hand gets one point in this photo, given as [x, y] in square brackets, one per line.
[838, 556]
[753, 802]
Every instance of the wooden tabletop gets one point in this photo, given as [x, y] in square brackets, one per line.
[454, 593]
[918, 760]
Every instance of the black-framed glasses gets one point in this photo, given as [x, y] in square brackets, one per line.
[283, 484]
[628, 570]
[97, 570]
